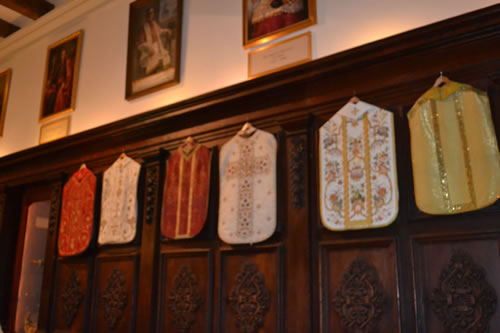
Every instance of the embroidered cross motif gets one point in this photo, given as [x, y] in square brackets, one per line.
[244, 170]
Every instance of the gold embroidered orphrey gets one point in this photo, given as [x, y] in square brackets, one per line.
[455, 159]
[247, 208]
[358, 182]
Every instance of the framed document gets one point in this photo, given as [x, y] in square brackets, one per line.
[54, 130]
[61, 77]
[266, 20]
[280, 56]
[154, 46]
[4, 94]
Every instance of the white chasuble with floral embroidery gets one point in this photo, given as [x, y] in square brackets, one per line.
[119, 202]
[247, 204]
[358, 183]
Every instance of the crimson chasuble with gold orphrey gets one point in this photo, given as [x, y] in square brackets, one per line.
[77, 213]
[186, 189]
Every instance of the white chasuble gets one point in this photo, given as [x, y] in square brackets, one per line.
[247, 204]
[119, 202]
[358, 183]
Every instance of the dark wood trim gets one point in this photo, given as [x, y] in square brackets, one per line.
[7, 28]
[361, 66]
[31, 8]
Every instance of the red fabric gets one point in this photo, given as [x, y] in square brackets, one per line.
[77, 214]
[274, 23]
[179, 218]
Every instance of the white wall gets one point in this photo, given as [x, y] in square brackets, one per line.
[212, 53]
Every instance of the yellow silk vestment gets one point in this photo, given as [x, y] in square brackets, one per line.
[454, 151]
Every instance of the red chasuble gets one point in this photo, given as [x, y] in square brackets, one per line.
[77, 214]
[185, 194]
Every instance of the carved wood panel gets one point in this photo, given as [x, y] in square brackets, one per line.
[457, 283]
[359, 287]
[114, 294]
[251, 288]
[71, 295]
[186, 292]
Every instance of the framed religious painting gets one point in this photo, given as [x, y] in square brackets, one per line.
[61, 77]
[154, 46]
[4, 93]
[266, 20]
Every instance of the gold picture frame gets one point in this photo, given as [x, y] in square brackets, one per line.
[4, 94]
[61, 77]
[153, 63]
[267, 20]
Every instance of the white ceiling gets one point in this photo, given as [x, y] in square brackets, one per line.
[18, 19]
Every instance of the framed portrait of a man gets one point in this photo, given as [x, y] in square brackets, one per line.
[4, 94]
[61, 77]
[266, 20]
[154, 46]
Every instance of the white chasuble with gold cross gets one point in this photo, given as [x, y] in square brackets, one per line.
[119, 202]
[247, 204]
[358, 182]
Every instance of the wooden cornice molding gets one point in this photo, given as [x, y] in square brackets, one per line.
[7, 28]
[396, 68]
[30, 8]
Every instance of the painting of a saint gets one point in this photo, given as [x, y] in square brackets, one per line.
[61, 73]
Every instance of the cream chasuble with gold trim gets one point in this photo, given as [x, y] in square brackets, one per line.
[119, 202]
[454, 151]
[358, 182]
[247, 204]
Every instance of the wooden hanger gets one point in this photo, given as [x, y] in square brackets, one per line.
[83, 166]
[189, 140]
[247, 130]
[122, 155]
[441, 81]
[354, 100]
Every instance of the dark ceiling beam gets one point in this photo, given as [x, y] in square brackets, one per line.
[30, 8]
[7, 28]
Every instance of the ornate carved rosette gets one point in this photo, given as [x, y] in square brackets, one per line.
[114, 298]
[250, 299]
[152, 183]
[184, 300]
[359, 300]
[55, 204]
[71, 297]
[464, 301]
[297, 165]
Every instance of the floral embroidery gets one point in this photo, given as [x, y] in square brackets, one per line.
[358, 174]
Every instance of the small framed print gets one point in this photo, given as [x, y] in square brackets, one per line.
[61, 77]
[4, 94]
[154, 46]
[279, 56]
[266, 20]
[54, 130]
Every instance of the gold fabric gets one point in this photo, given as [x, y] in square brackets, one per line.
[454, 151]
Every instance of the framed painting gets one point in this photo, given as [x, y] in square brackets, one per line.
[154, 46]
[4, 94]
[266, 20]
[61, 77]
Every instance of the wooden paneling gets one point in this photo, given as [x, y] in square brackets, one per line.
[71, 295]
[359, 286]
[251, 288]
[186, 292]
[115, 294]
[457, 282]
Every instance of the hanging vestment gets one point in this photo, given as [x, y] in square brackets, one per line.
[119, 202]
[186, 190]
[454, 151]
[77, 213]
[358, 181]
[247, 204]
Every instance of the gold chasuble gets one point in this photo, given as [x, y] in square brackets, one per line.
[247, 204]
[454, 151]
[186, 190]
[358, 182]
